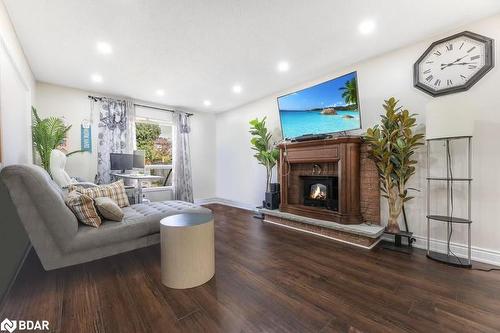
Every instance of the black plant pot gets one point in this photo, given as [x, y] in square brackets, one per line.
[275, 187]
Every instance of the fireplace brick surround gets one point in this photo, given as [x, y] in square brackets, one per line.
[355, 217]
[370, 188]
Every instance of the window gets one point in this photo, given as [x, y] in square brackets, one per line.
[154, 137]
[156, 141]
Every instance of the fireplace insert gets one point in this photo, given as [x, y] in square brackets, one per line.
[321, 191]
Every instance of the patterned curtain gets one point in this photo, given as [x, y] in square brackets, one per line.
[116, 134]
[183, 185]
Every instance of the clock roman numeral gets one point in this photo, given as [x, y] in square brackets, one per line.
[437, 53]
[449, 82]
[429, 78]
[429, 62]
[437, 83]
[427, 71]
[472, 66]
[463, 76]
[475, 57]
[461, 45]
[449, 47]
[471, 49]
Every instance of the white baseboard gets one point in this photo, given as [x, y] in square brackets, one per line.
[226, 202]
[486, 256]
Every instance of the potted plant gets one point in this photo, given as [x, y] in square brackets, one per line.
[393, 144]
[265, 151]
[47, 135]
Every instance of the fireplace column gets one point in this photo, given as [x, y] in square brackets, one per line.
[349, 183]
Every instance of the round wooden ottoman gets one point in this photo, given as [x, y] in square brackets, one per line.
[187, 250]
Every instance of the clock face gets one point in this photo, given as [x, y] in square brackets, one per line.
[453, 64]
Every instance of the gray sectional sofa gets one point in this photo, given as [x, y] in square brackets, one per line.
[60, 240]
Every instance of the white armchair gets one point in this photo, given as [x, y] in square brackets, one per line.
[59, 174]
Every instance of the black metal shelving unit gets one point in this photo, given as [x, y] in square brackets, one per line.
[449, 257]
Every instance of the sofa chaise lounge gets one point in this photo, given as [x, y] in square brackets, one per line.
[60, 240]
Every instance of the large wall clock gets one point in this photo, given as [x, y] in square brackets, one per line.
[453, 64]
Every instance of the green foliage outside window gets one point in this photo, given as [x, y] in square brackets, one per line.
[158, 150]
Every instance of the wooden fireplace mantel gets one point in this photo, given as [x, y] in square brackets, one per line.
[338, 157]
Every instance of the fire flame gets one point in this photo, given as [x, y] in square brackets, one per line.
[317, 193]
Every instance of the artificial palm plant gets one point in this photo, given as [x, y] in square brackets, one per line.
[393, 144]
[266, 153]
[47, 134]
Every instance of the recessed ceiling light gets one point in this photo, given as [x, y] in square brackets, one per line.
[97, 78]
[283, 66]
[160, 92]
[104, 48]
[237, 89]
[207, 102]
[367, 27]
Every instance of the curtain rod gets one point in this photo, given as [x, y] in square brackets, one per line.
[98, 98]
[158, 108]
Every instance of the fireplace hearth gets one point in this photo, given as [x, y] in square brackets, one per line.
[320, 191]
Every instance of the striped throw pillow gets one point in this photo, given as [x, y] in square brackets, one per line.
[83, 207]
[115, 191]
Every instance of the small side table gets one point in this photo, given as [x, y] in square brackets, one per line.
[187, 250]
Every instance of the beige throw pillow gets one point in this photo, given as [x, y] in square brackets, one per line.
[83, 207]
[109, 209]
[115, 191]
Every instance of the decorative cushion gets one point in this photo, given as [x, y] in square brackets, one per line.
[115, 191]
[109, 209]
[83, 207]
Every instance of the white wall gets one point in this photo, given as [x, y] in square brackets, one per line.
[16, 92]
[241, 179]
[203, 155]
[74, 106]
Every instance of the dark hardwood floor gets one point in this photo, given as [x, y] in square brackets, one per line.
[268, 279]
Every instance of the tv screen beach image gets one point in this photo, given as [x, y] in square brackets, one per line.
[328, 107]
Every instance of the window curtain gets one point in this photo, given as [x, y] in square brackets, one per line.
[116, 134]
[182, 181]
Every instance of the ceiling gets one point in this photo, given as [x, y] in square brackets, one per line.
[196, 50]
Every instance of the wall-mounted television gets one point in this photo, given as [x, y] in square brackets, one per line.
[326, 108]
